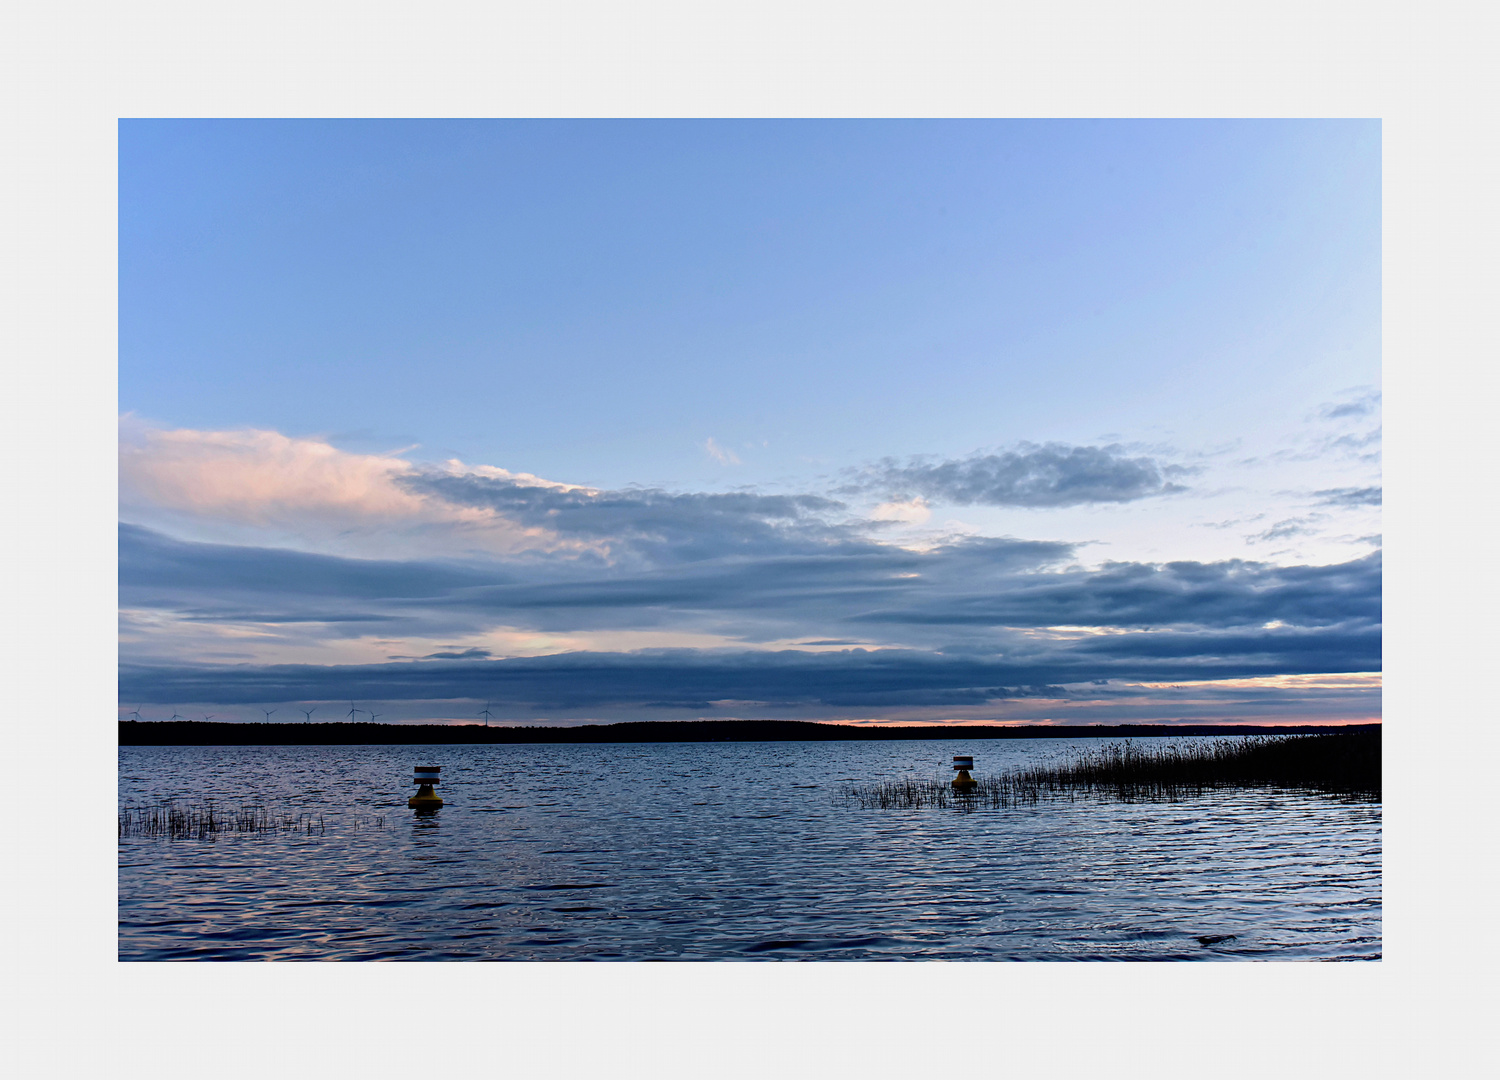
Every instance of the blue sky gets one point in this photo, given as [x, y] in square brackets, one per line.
[1038, 420]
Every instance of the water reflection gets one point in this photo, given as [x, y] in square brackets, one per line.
[727, 850]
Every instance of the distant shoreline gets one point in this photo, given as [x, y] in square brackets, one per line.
[201, 733]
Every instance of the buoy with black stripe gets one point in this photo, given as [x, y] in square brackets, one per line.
[425, 798]
[963, 765]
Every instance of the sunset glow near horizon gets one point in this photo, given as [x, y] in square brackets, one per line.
[866, 422]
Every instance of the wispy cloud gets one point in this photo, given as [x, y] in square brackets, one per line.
[1283, 530]
[452, 653]
[1049, 475]
[1356, 403]
[1349, 496]
[914, 511]
[722, 454]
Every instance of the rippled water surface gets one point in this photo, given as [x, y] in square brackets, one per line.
[726, 851]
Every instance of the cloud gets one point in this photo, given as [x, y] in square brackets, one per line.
[303, 491]
[1183, 596]
[1284, 530]
[1338, 429]
[1349, 496]
[256, 482]
[560, 597]
[153, 564]
[723, 455]
[1049, 475]
[914, 511]
[994, 602]
[261, 477]
[1364, 402]
[758, 590]
[971, 582]
[648, 524]
[600, 682]
[1358, 444]
[1359, 405]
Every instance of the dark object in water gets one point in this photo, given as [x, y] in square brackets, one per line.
[767, 946]
[1214, 939]
[425, 777]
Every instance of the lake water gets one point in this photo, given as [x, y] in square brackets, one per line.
[699, 851]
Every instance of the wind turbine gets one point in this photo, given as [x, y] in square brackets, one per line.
[374, 714]
[352, 711]
[135, 712]
[485, 712]
[176, 715]
[268, 713]
[209, 716]
[309, 712]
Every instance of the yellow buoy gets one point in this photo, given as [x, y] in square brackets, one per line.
[963, 766]
[425, 799]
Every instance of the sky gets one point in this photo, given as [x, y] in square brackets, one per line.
[874, 421]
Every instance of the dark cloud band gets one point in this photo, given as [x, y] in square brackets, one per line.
[689, 678]
[968, 594]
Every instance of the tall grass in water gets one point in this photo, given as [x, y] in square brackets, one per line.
[1006, 789]
[1346, 763]
[171, 821]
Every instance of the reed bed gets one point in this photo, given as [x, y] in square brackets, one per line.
[1343, 763]
[172, 821]
[1003, 790]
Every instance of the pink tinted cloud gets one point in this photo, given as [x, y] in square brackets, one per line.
[261, 477]
[305, 486]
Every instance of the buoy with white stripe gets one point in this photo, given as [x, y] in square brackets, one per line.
[963, 765]
[425, 798]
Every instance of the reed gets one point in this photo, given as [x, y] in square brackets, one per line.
[1346, 763]
[1342, 763]
[1004, 790]
[171, 820]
